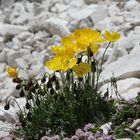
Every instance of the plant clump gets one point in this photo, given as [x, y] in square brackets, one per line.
[61, 102]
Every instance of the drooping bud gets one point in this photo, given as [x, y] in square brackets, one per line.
[51, 91]
[17, 80]
[36, 85]
[28, 106]
[49, 84]
[80, 78]
[21, 94]
[18, 86]
[79, 60]
[53, 78]
[7, 106]
[43, 80]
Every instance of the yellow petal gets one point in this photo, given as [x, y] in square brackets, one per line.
[12, 72]
[94, 48]
[67, 63]
[54, 63]
[85, 67]
[112, 36]
[82, 69]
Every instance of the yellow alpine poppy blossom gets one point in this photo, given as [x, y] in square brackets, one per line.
[112, 36]
[12, 72]
[87, 36]
[62, 63]
[81, 69]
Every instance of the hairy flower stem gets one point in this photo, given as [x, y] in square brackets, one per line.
[102, 61]
[16, 103]
[72, 82]
[89, 61]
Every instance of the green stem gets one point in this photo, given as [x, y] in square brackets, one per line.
[102, 61]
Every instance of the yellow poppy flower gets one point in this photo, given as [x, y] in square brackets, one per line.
[62, 63]
[12, 72]
[87, 36]
[81, 69]
[112, 36]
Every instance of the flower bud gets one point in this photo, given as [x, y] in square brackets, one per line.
[80, 78]
[36, 86]
[18, 86]
[90, 52]
[79, 60]
[49, 84]
[21, 94]
[7, 106]
[17, 80]
[53, 78]
[43, 80]
[51, 91]
[28, 106]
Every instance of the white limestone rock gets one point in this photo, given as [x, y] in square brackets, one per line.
[127, 88]
[132, 5]
[56, 26]
[2, 67]
[11, 29]
[90, 1]
[125, 67]
[2, 56]
[83, 13]
[12, 56]
[21, 63]
[106, 128]
[5, 128]
[113, 10]
[100, 14]
[24, 35]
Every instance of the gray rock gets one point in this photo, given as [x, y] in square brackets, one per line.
[6, 3]
[12, 56]
[24, 35]
[56, 26]
[127, 88]
[11, 29]
[90, 1]
[106, 128]
[138, 129]
[135, 124]
[132, 5]
[130, 131]
[99, 14]
[131, 69]
[113, 10]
